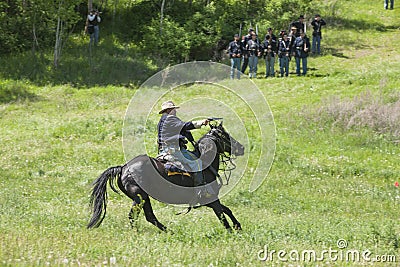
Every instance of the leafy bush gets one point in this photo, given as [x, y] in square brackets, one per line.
[167, 41]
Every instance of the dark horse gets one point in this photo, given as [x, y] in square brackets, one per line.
[140, 177]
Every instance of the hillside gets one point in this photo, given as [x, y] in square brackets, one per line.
[332, 185]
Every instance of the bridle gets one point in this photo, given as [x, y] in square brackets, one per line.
[222, 141]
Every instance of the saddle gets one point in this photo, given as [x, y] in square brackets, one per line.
[171, 166]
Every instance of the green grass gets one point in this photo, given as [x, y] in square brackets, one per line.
[109, 63]
[328, 182]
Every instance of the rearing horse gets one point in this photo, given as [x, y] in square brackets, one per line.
[145, 172]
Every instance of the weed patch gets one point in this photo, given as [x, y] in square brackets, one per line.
[377, 113]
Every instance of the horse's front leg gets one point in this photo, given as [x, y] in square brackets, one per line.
[236, 223]
[218, 210]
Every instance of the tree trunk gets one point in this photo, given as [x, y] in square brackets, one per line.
[114, 14]
[162, 16]
[57, 46]
[35, 42]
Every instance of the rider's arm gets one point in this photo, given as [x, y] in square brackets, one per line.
[173, 122]
[176, 123]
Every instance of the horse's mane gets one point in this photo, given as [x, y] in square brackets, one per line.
[202, 147]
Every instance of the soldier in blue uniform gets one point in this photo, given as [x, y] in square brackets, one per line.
[292, 35]
[284, 51]
[299, 24]
[244, 49]
[301, 49]
[317, 23]
[269, 48]
[254, 49]
[273, 37]
[235, 54]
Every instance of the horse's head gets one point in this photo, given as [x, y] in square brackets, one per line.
[225, 142]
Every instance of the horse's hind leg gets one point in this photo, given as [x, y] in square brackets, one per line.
[137, 206]
[140, 200]
[150, 217]
[236, 223]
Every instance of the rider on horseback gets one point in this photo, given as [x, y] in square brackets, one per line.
[172, 139]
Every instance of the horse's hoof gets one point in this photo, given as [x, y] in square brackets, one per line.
[237, 227]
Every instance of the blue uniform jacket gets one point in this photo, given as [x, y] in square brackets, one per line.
[173, 132]
[284, 48]
[299, 45]
[269, 48]
[253, 47]
[235, 48]
[317, 27]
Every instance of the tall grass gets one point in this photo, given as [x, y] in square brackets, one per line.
[365, 111]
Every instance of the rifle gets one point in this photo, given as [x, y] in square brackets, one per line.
[214, 119]
[240, 31]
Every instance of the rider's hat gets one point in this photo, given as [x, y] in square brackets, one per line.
[167, 105]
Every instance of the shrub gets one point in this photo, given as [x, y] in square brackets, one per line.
[366, 110]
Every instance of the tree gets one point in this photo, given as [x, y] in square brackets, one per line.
[162, 15]
[65, 18]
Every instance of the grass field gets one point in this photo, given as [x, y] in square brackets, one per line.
[333, 177]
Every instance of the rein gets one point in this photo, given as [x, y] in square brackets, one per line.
[228, 166]
[225, 159]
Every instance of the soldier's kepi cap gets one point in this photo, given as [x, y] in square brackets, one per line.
[301, 17]
[236, 35]
[167, 105]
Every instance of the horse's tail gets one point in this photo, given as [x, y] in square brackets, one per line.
[98, 199]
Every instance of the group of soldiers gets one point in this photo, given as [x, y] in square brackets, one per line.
[246, 52]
